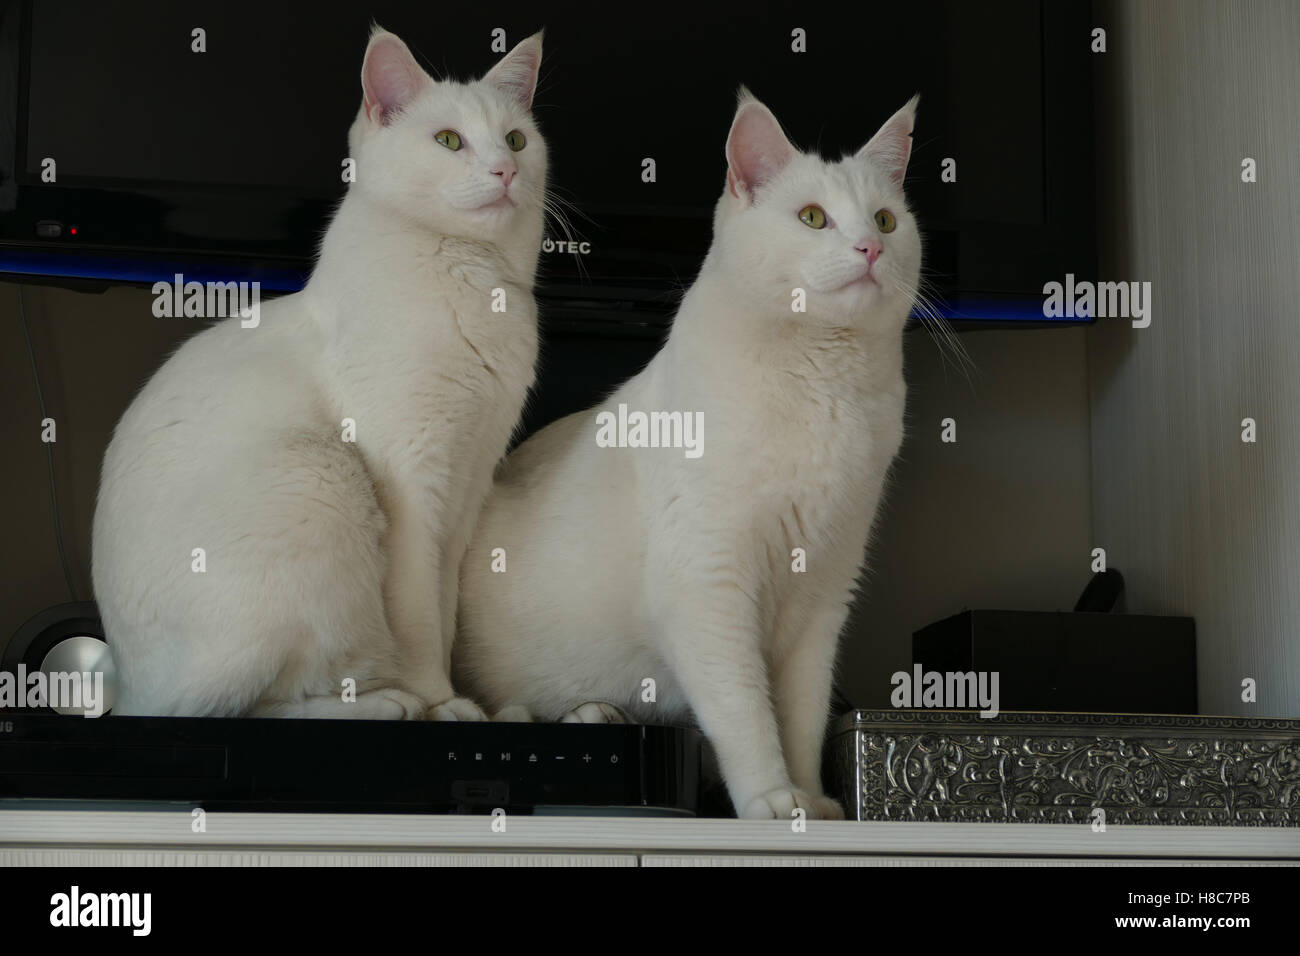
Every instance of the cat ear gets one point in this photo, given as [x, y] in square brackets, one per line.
[756, 148]
[891, 147]
[516, 74]
[390, 77]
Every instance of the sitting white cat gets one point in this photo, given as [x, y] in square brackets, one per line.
[723, 577]
[284, 509]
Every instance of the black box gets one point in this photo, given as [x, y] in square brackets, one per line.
[1068, 661]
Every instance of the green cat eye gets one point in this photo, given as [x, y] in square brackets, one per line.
[515, 140]
[813, 217]
[885, 220]
[448, 138]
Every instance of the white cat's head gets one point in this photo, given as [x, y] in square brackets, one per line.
[463, 159]
[840, 231]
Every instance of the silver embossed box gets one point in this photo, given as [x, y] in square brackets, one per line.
[949, 765]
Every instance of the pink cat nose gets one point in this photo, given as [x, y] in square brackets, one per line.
[871, 247]
[505, 169]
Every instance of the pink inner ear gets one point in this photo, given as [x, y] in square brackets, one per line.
[732, 184]
[516, 74]
[891, 147]
[756, 148]
[390, 77]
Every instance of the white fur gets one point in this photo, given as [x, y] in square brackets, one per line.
[624, 564]
[325, 559]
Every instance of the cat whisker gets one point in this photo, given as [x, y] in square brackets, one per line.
[556, 208]
[937, 327]
[925, 294]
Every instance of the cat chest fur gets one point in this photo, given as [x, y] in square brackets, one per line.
[818, 453]
[445, 357]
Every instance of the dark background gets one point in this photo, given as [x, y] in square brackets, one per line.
[237, 150]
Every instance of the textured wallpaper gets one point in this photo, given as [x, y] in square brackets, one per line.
[1200, 521]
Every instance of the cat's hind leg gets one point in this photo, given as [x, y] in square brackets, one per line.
[289, 617]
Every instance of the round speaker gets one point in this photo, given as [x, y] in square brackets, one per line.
[65, 638]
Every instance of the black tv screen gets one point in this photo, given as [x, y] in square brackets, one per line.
[228, 161]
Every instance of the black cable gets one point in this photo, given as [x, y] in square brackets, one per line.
[49, 451]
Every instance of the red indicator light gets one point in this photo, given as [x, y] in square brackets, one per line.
[73, 230]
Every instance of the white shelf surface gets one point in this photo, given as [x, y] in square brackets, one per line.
[274, 835]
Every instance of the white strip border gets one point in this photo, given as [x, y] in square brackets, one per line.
[172, 829]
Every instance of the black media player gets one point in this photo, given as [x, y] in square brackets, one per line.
[373, 766]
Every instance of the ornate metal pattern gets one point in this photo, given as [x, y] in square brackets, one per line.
[1057, 768]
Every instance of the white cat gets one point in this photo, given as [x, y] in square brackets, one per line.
[328, 555]
[623, 565]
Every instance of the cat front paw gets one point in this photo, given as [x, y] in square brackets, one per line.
[594, 712]
[389, 703]
[826, 808]
[780, 804]
[456, 708]
[513, 714]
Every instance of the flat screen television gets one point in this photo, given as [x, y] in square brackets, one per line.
[226, 163]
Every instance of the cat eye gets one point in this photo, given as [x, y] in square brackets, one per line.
[448, 138]
[515, 140]
[813, 217]
[885, 220]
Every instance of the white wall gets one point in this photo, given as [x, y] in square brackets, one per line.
[1199, 522]
[998, 519]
